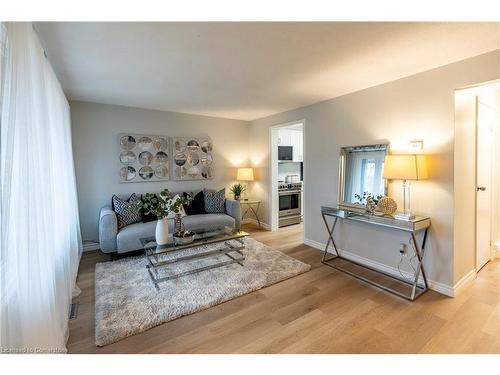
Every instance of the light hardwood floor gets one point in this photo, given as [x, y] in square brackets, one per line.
[321, 311]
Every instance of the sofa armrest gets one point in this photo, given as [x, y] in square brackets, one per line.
[108, 229]
[233, 209]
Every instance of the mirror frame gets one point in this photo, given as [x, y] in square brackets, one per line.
[342, 161]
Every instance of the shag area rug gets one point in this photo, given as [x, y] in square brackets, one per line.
[127, 303]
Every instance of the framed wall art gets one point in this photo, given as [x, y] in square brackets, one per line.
[143, 158]
[192, 159]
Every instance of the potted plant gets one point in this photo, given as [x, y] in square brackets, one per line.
[237, 190]
[161, 205]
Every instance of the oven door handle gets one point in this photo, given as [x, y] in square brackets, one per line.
[289, 192]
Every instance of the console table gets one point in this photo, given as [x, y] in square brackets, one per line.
[399, 286]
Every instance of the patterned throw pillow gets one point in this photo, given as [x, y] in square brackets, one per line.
[126, 212]
[215, 202]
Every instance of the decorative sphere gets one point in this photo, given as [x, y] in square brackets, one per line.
[387, 206]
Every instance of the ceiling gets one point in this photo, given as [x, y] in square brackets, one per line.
[247, 70]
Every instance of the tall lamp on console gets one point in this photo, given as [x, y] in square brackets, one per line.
[406, 168]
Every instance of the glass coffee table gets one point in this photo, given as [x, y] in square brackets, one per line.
[154, 254]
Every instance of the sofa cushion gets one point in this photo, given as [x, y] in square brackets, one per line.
[128, 238]
[207, 222]
[197, 206]
[127, 212]
[215, 202]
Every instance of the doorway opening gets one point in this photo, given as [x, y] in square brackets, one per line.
[477, 133]
[287, 171]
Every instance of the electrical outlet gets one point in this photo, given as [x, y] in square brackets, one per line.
[417, 145]
[402, 248]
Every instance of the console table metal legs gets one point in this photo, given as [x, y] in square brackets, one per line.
[416, 289]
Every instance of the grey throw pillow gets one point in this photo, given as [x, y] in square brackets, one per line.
[126, 211]
[215, 202]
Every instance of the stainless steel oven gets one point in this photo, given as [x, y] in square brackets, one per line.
[290, 203]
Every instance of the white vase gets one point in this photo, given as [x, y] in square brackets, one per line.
[161, 233]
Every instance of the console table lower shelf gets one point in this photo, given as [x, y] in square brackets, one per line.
[408, 289]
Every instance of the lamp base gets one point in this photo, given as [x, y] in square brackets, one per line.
[404, 216]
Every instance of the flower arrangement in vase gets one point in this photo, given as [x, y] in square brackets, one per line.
[368, 200]
[162, 205]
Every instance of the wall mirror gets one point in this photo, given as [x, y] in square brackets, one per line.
[361, 170]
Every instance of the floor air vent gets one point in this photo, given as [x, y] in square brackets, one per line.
[73, 312]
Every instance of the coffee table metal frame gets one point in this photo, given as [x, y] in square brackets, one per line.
[154, 251]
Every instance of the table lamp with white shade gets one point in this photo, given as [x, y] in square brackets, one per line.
[405, 167]
[245, 174]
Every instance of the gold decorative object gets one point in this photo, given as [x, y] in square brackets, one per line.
[387, 206]
[370, 205]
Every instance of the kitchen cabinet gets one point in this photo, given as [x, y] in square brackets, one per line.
[297, 144]
[289, 137]
[284, 137]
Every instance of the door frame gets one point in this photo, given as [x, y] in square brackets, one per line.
[464, 179]
[273, 172]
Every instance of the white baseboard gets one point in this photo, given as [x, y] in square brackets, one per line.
[470, 276]
[249, 220]
[90, 246]
[433, 285]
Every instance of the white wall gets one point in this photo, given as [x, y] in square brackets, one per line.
[95, 129]
[416, 107]
[464, 224]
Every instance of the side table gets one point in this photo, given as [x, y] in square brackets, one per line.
[252, 206]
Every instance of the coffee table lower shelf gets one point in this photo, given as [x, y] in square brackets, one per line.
[155, 277]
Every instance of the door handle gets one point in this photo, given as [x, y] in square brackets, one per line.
[481, 188]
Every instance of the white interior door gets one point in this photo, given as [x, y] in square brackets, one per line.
[485, 136]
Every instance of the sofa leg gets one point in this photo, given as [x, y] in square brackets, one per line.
[112, 256]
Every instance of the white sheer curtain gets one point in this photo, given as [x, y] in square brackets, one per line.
[40, 236]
